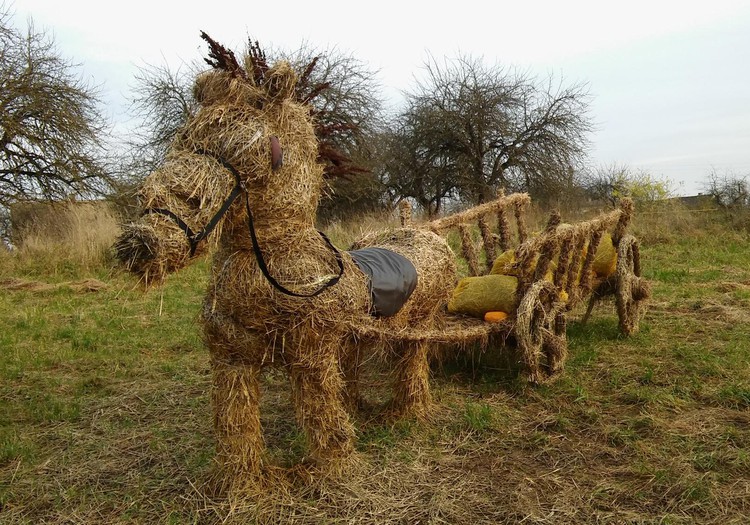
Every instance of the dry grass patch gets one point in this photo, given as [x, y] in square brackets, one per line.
[83, 232]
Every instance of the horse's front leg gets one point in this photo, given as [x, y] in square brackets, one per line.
[235, 399]
[236, 358]
[318, 389]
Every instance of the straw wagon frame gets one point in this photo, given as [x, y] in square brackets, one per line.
[539, 323]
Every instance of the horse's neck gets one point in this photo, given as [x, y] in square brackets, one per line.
[277, 234]
[283, 219]
[296, 256]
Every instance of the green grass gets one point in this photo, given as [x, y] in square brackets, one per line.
[478, 416]
[105, 412]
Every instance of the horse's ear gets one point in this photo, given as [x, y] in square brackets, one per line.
[281, 81]
[210, 87]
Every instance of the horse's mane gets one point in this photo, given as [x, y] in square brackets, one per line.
[336, 162]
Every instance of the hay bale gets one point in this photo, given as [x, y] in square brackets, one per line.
[476, 296]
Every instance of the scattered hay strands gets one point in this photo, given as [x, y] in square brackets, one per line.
[86, 285]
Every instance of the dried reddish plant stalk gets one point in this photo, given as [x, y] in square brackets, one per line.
[220, 57]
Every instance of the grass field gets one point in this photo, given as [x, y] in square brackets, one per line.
[105, 416]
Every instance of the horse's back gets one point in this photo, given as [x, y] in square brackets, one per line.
[433, 260]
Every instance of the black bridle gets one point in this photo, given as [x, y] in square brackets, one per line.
[194, 238]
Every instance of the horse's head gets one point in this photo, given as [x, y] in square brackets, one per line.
[251, 140]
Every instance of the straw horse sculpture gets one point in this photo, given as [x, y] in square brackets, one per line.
[248, 166]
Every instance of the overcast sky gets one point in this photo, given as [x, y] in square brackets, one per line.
[670, 80]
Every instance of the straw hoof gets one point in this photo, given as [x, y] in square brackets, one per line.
[224, 485]
[395, 410]
[412, 399]
[337, 452]
[309, 471]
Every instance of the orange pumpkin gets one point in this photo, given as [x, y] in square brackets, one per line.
[495, 317]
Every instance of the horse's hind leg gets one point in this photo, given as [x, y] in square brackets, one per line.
[318, 393]
[350, 367]
[236, 405]
[411, 394]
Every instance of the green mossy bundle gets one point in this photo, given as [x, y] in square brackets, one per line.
[504, 263]
[603, 265]
[476, 296]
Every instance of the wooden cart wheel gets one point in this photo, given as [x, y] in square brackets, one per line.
[540, 331]
[631, 290]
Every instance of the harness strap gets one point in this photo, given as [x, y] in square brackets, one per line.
[182, 224]
[267, 274]
[208, 228]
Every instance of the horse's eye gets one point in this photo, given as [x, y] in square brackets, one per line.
[277, 156]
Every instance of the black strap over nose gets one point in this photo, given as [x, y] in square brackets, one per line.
[196, 237]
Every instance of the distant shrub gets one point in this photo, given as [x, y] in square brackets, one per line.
[612, 183]
[729, 190]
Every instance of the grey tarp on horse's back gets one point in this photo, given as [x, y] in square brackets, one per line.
[392, 276]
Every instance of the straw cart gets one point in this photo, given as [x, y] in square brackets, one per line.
[538, 325]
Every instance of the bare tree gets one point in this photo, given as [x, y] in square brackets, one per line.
[729, 190]
[500, 128]
[347, 111]
[51, 129]
[161, 100]
[607, 183]
[412, 167]
[346, 107]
